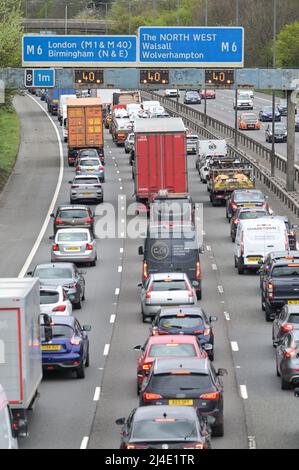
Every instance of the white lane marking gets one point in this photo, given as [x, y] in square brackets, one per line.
[122, 234]
[220, 289]
[121, 250]
[227, 316]
[122, 221]
[122, 197]
[251, 442]
[119, 179]
[106, 350]
[209, 248]
[112, 318]
[120, 268]
[234, 346]
[122, 208]
[121, 188]
[97, 394]
[84, 442]
[214, 267]
[204, 233]
[243, 391]
[117, 290]
[297, 245]
[51, 208]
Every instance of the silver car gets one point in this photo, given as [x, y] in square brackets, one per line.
[77, 245]
[86, 187]
[129, 142]
[165, 289]
[91, 166]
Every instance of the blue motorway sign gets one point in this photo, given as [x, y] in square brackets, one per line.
[191, 46]
[78, 51]
[42, 78]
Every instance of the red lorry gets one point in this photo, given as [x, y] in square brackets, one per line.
[160, 157]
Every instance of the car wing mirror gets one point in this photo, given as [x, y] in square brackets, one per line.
[296, 392]
[138, 348]
[213, 318]
[29, 273]
[51, 237]
[86, 327]
[221, 372]
[120, 421]
[140, 250]
[82, 272]
[207, 347]
[139, 284]
[52, 215]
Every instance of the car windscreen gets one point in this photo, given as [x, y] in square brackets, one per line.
[181, 322]
[252, 215]
[286, 271]
[249, 196]
[168, 285]
[86, 181]
[167, 429]
[89, 162]
[53, 273]
[48, 297]
[72, 237]
[73, 214]
[173, 384]
[172, 350]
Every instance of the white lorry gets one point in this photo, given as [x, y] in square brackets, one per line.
[212, 148]
[20, 353]
[62, 102]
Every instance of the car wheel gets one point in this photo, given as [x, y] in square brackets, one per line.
[285, 385]
[277, 370]
[93, 263]
[233, 238]
[236, 263]
[268, 313]
[218, 431]
[144, 317]
[198, 294]
[211, 356]
[263, 305]
[87, 359]
[65, 139]
[80, 372]
[83, 296]
[78, 305]
[138, 388]
[241, 268]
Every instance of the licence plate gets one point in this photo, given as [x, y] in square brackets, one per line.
[254, 259]
[251, 126]
[90, 169]
[87, 194]
[180, 402]
[248, 205]
[293, 301]
[51, 348]
[72, 248]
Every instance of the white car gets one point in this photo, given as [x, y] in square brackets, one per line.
[204, 170]
[54, 301]
[173, 93]
[244, 102]
[246, 92]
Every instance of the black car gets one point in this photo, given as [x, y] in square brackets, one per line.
[186, 381]
[282, 107]
[286, 320]
[280, 132]
[62, 274]
[165, 427]
[290, 229]
[245, 213]
[245, 198]
[280, 285]
[273, 255]
[192, 97]
[287, 359]
[73, 216]
[184, 320]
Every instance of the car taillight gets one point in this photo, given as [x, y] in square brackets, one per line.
[206, 331]
[151, 396]
[75, 341]
[100, 168]
[135, 446]
[78, 168]
[236, 221]
[286, 328]
[242, 245]
[194, 446]
[270, 290]
[291, 233]
[145, 273]
[190, 293]
[97, 185]
[210, 396]
[72, 286]
[55, 247]
[146, 366]
[234, 205]
[59, 308]
[89, 246]
[288, 353]
[87, 220]
[197, 275]
[58, 220]
[264, 205]
[148, 294]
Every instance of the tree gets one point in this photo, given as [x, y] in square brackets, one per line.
[10, 33]
[287, 46]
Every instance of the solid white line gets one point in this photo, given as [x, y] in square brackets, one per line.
[84, 442]
[119, 179]
[121, 188]
[234, 346]
[227, 317]
[120, 268]
[106, 350]
[97, 394]
[117, 171]
[51, 208]
[251, 442]
[220, 289]
[117, 291]
[112, 318]
[243, 391]
[214, 267]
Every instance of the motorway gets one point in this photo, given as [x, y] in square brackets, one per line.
[69, 410]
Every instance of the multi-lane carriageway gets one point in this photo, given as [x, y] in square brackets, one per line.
[74, 413]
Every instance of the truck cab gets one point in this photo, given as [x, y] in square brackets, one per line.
[7, 434]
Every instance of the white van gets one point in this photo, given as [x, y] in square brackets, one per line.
[64, 122]
[255, 238]
[7, 441]
[62, 101]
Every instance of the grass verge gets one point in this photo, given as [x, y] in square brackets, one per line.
[9, 143]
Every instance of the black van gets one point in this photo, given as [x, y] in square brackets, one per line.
[174, 250]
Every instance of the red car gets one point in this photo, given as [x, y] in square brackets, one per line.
[210, 94]
[166, 346]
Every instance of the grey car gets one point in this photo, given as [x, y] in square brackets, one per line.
[86, 188]
[62, 274]
[287, 359]
[129, 142]
[163, 289]
[286, 320]
[77, 245]
[280, 132]
[91, 166]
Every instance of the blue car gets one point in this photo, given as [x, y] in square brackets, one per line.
[69, 346]
[266, 114]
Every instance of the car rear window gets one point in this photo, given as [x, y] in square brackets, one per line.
[182, 322]
[172, 350]
[65, 331]
[250, 196]
[89, 162]
[86, 181]
[48, 297]
[252, 215]
[174, 384]
[89, 153]
[157, 429]
[73, 214]
[168, 285]
[171, 211]
[285, 271]
[53, 273]
[248, 118]
[294, 318]
[72, 237]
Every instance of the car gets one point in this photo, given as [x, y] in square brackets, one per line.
[287, 359]
[291, 233]
[172, 93]
[245, 213]
[129, 142]
[243, 102]
[165, 427]
[192, 143]
[280, 285]
[92, 153]
[171, 208]
[297, 123]
[91, 166]
[77, 245]
[204, 170]
[245, 198]
[186, 321]
[108, 120]
[55, 301]
[249, 121]
[282, 107]
[266, 114]
[207, 93]
[286, 320]
[86, 188]
[163, 289]
[280, 132]
[69, 347]
[186, 382]
[62, 274]
[274, 255]
[166, 346]
[73, 216]
[192, 97]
